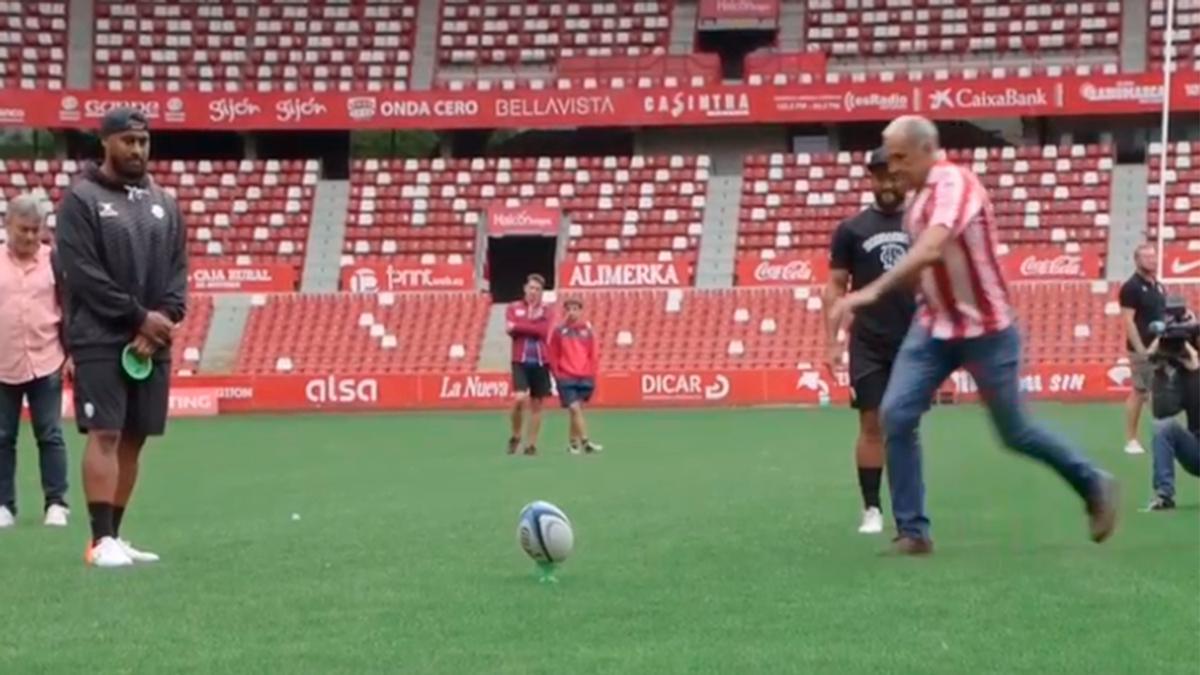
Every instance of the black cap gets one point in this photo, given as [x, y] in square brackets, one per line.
[878, 159]
[120, 120]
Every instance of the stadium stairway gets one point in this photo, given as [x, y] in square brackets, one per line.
[1134, 21]
[495, 354]
[1127, 221]
[791, 26]
[425, 47]
[683, 27]
[81, 38]
[230, 313]
[322, 262]
[718, 242]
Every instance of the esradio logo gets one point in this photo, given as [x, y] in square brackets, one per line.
[333, 389]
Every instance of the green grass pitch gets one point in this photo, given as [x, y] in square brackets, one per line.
[707, 542]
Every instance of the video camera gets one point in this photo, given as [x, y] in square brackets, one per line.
[1178, 327]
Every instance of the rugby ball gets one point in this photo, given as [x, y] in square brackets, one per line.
[544, 532]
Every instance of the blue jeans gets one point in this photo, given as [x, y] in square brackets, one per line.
[45, 408]
[995, 362]
[1172, 442]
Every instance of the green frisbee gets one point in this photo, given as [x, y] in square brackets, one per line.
[135, 367]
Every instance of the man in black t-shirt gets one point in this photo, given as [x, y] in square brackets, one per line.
[1143, 301]
[864, 247]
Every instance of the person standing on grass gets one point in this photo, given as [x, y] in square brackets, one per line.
[1143, 301]
[965, 319]
[528, 324]
[123, 253]
[574, 360]
[33, 360]
[863, 248]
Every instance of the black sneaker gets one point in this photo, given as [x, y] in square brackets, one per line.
[513, 444]
[530, 450]
[1161, 503]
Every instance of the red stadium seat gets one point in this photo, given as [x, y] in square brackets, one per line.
[33, 44]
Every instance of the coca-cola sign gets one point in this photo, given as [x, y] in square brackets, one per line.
[528, 220]
[1049, 263]
[796, 270]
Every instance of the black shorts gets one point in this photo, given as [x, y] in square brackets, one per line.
[108, 400]
[870, 368]
[531, 378]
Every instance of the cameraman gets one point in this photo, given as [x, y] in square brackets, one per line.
[1171, 441]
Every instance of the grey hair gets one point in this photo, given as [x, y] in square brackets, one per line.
[916, 129]
[26, 206]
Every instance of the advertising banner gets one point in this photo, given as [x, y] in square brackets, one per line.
[408, 275]
[1052, 263]
[183, 402]
[532, 220]
[738, 13]
[649, 389]
[957, 98]
[228, 278]
[1181, 263]
[799, 269]
[624, 274]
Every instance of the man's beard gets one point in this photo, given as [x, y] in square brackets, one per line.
[130, 171]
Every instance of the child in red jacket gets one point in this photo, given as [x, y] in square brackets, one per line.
[574, 361]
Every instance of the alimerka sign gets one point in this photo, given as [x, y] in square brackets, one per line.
[635, 106]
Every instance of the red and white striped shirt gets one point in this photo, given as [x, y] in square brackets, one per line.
[963, 295]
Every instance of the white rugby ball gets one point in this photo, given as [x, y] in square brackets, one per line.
[544, 532]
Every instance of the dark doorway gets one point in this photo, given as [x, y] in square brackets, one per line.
[512, 259]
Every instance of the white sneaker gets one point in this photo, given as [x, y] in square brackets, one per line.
[872, 521]
[107, 553]
[136, 555]
[56, 516]
[6, 518]
[1134, 447]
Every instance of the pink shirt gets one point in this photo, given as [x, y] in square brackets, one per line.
[30, 346]
[963, 295]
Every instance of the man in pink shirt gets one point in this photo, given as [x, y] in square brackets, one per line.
[964, 320]
[32, 360]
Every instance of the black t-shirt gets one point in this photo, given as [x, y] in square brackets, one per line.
[1148, 300]
[868, 245]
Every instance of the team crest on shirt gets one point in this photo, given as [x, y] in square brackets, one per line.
[891, 254]
[107, 210]
[158, 211]
[891, 245]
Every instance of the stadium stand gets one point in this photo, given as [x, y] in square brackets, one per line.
[33, 44]
[615, 205]
[271, 45]
[858, 30]
[243, 212]
[1187, 34]
[1183, 190]
[189, 342]
[385, 333]
[46, 178]
[1041, 194]
[506, 32]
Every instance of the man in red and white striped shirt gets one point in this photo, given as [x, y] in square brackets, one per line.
[965, 320]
